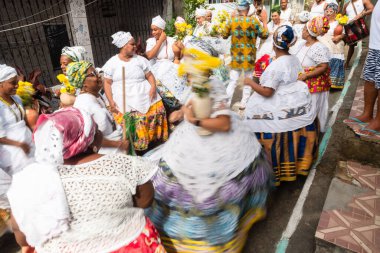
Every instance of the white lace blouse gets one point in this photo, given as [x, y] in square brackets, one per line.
[99, 195]
[313, 55]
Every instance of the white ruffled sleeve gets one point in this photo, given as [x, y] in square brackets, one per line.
[138, 170]
[109, 68]
[144, 63]
[319, 53]
[272, 78]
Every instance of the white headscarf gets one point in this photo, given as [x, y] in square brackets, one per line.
[6, 72]
[74, 53]
[159, 22]
[121, 38]
[304, 16]
[200, 13]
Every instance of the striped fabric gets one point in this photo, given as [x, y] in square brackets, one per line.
[292, 153]
[371, 70]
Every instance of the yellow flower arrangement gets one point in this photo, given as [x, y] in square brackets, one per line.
[220, 23]
[342, 19]
[198, 65]
[183, 30]
[25, 91]
[118, 118]
[67, 87]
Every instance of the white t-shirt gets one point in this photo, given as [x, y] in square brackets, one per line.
[286, 15]
[374, 37]
[359, 6]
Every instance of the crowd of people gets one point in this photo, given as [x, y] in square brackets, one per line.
[145, 153]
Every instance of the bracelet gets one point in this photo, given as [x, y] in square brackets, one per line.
[197, 122]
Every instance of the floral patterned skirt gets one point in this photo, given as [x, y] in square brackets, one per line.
[151, 126]
[320, 83]
[148, 242]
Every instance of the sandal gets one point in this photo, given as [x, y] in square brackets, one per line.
[353, 120]
[365, 132]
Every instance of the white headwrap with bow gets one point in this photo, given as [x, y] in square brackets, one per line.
[121, 38]
[200, 13]
[159, 22]
[6, 72]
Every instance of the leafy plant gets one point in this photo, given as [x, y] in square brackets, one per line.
[170, 27]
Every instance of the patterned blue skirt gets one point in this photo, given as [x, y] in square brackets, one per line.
[337, 73]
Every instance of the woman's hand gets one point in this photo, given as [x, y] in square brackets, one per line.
[25, 147]
[152, 93]
[123, 145]
[188, 113]
[337, 39]
[113, 107]
[176, 116]
[303, 77]
[247, 81]
[162, 36]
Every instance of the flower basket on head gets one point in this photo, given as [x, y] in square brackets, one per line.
[198, 66]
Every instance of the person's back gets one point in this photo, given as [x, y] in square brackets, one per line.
[99, 194]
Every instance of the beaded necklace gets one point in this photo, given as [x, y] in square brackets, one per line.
[21, 110]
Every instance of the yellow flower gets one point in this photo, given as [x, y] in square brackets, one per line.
[25, 91]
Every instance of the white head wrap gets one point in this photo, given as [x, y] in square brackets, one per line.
[179, 20]
[200, 13]
[304, 16]
[74, 53]
[159, 22]
[121, 38]
[6, 72]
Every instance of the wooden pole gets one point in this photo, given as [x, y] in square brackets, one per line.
[124, 107]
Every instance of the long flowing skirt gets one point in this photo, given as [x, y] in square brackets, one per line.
[292, 153]
[337, 73]
[150, 127]
[148, 242]
[218, 224]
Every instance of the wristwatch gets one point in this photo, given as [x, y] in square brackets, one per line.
[197, 122]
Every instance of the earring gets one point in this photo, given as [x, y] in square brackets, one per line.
[95, 149]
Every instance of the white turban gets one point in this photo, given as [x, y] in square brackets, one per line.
[74, 53]
[6, 72]
[200, 13]
[121, 38]
[159, 22]
[304, 16]
[179, 20]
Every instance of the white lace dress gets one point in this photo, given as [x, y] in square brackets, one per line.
[289, 108]
[99, 194]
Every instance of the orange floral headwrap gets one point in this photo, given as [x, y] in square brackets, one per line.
[318, 26]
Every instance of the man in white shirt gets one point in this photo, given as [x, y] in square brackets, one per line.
[286, 13]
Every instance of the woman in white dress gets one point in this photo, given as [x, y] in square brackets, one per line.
[303, 17]
[162, 51]
[315, 58]
[16, 144]
[82, 75]
[209, 190]
[267, 46]
[141, 99]
[281, 112]
[356, 9]
[73, 200]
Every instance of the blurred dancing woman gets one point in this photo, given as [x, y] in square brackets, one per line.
[209, 189]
